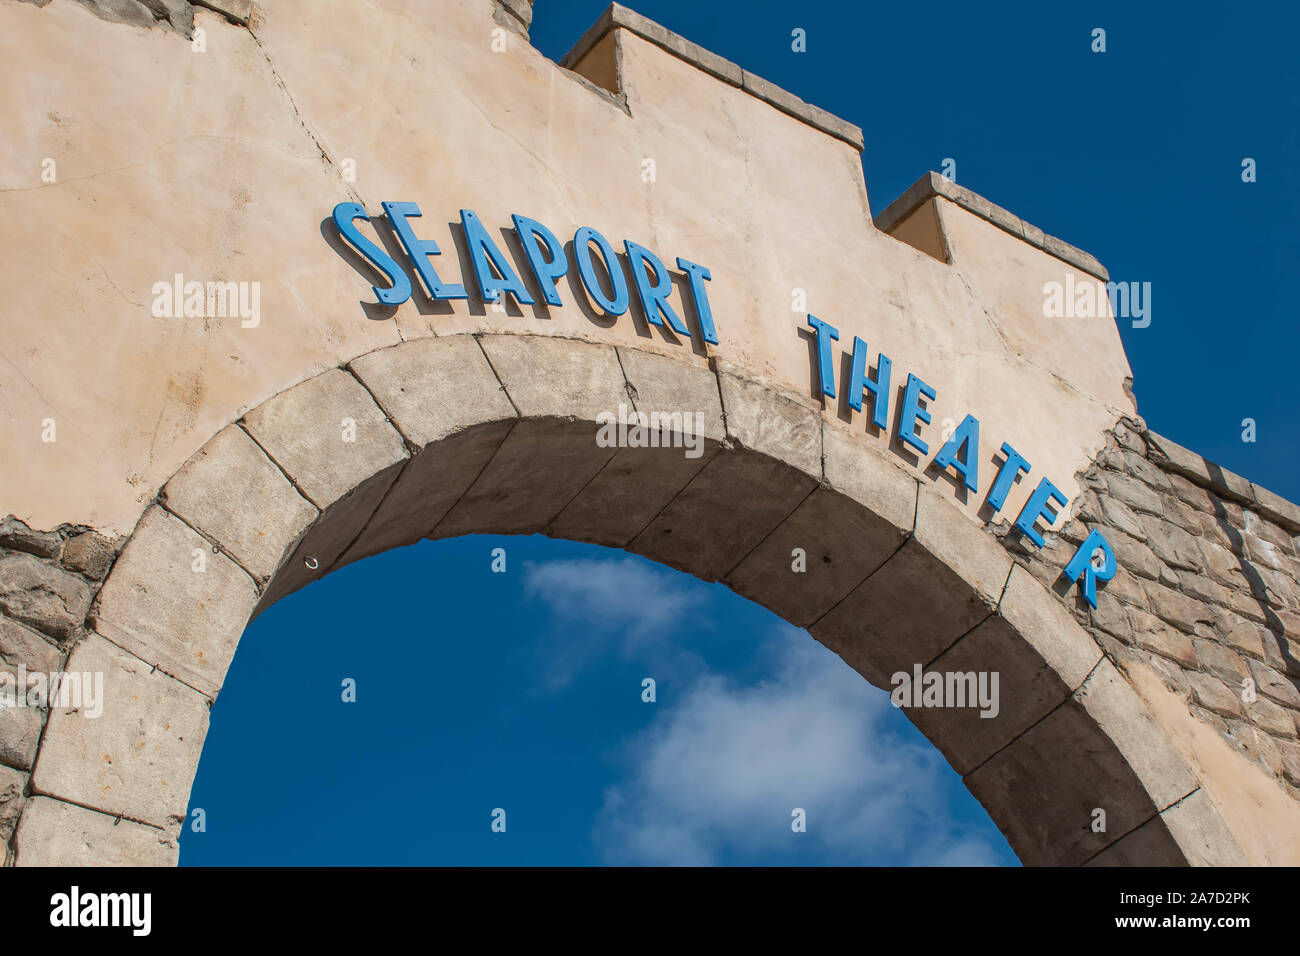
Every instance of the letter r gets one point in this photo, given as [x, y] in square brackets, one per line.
[1081, 563]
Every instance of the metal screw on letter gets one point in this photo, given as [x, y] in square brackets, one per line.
[311, 562]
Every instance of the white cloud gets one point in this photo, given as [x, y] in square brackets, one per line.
[625, 604]
[723, 771]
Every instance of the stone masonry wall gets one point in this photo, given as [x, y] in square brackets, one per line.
[1206, 592]
[48, 580]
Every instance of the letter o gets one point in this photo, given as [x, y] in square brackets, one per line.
[582, 240]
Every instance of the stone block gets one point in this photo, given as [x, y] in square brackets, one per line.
[138, 758]
[1149, 474]
[947, 578]
[45, 597]
[1278, 509]
[1290, 762]
[1130, 439]
[305, 429]
[734, 502]
[663, 384]
[1110, 615]
[1218, 660]
[1124, 586]
[434, 388]
[1196, 497]
[157, 606]
[1133, 493]
[430, 483]
[12, 784]
[522, 10]
[1223, 566]
[20, 733]
[178, 13]
[240, 11]
[1217, 531]
[842, 541]
[1276, 687]
[1211, 693]
[54, 833]
[237, 496]
[1104, 750]
[848, 528]
[1041, 656]
[19, 645]
[1190, 833]
[628, 493]
[1202, 588]
[1171, 456]
[1245, 636]
[16, 536]
[637, 483]
[1271, 587]
[323, 547]
[1134, 556]
[1121, 517]
[551, 377]
[1177, 608]
[1181, 514]
[1172, 545]
[1256, 744]
[540, 467]
[1272, 719]
[90, 554]
[772, 422]
[1153, 634]
[1266, 531]
[860, 472]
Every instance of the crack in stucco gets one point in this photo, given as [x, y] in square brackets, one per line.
[1011, 351]
[297, 115]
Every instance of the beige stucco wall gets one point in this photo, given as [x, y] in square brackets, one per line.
[210, 164]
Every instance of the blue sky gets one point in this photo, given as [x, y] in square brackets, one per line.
[522, 690]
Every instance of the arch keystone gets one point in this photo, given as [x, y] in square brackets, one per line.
[637, 483]
[548, 376]
[559, 386]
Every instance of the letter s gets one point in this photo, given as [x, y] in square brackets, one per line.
[344, 214]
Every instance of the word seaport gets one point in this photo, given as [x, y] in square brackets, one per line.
[493, 273]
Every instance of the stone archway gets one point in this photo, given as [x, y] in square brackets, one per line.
[497, 433]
